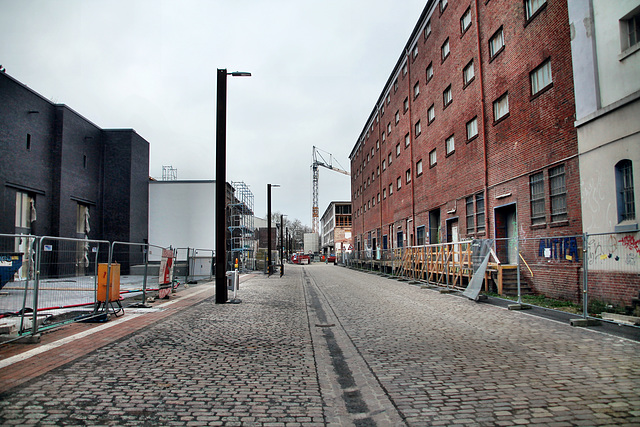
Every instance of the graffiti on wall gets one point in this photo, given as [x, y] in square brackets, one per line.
[613, 252]
[560, 248]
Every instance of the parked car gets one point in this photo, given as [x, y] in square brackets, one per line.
[332, 258]
[300, 258]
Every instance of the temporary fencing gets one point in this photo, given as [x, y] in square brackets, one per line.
[596, 275]
[48, 281]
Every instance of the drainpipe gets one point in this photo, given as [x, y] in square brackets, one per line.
[484, 127]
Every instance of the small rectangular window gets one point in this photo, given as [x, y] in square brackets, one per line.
[399, 183]
[536, 188]
[384, 193]
[384, 165]
[28, 142]
[443, 5]
[632, 25]
[445, 51]
[496, 43]
[415, 51]
[390, 189]
[480, 212]
[404, 70]
[468, 73]
[470, 214]
[541, 77]
[501, 107]
[431, 113]
[558, 193]
[465, 21]
[427, 29]
[532, 6]
[395, 85]
[432, 158]
[418, 129]
[419, 168]
[407, 140]
[450, 145]
[472, 128]
[416, 90]
[447, 97]
[408, 176]
[397, 150]
[390, 159]
[405, 105]
[389, 128]
[429, 71]
[397, 116]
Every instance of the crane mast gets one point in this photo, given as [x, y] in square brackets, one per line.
[319, 160]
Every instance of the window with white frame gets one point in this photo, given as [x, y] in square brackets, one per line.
[391, 189]
[407, 140]
[398, 183]
[432, 158]
[501, 107]
[625, 191]
[532, 6]
[443, 5]
[384, 193]
[407, 176]
[404, 70]
[389, 128]
[398, 150]
[415, 52]
[384, 137]
[429, 71]
[465, 21]
[444, 50]
[390, 159]
[419, 167]
[418, 128]
[388, 99]
[395, 85]
[382, 110]
[431, 113]
[384, 165]
[450, 145]
[416, 90]
[397, 116]
[541, 77]
[496, 43]
[378, 170]
[468, 73]
[377, 144]
[378, 197]
[405, 104]
[447, 98]
[536, 190]
[558, 193]
[427, 29]
[472, 128]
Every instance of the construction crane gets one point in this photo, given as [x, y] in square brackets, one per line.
[319, 160]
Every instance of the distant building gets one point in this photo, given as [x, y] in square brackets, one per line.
[336, 228]
[182, 215]
[63, 176]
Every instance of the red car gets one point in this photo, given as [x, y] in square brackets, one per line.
[300, 258]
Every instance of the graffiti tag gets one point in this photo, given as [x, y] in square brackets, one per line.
[631, 243]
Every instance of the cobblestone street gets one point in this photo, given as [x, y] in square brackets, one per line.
[325, 345]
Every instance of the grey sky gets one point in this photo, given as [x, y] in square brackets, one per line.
[318, 68]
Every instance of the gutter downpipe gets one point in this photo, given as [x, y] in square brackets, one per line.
[484, 127]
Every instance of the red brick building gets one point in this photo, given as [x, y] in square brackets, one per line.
[473, 134]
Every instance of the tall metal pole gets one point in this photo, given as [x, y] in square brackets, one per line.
[281, 245]
[268, 229]
[221, 179]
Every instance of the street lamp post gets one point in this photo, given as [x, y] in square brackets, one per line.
[269, 272]
[221, 181]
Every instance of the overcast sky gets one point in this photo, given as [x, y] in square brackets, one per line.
[317, 68]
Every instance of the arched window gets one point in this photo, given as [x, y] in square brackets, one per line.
[625, 191]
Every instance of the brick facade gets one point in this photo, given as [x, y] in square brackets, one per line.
[479, 187]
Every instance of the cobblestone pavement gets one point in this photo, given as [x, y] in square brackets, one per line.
[326, 345]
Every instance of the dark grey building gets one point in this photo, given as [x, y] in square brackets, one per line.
[61, 175]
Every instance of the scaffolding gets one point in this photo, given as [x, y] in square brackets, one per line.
[241, 229]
